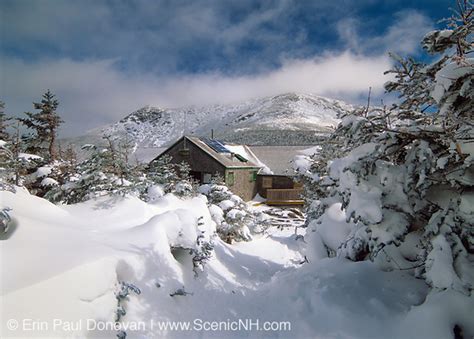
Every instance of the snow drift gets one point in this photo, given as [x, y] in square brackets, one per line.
[62, 266]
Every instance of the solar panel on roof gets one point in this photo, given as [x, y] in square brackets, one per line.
[216, 146]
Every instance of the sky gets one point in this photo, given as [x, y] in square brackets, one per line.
[106, 58]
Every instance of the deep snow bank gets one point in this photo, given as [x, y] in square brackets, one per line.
[62, 266]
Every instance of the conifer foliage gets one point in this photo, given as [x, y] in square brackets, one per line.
[105, 171]
[234, 220]
[404, 176]
[44, 125]
[3, 123]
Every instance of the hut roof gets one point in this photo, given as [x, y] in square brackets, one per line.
[229, 155]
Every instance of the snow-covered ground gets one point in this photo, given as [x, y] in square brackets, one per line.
[62, 266]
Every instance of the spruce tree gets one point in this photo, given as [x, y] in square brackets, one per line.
[105, 172]
[162, 171]
[44, 124]
[402, 173]
[3, 123]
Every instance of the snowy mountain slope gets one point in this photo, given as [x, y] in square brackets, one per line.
[287, 119]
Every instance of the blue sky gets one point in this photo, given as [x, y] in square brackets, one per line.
[104, 59]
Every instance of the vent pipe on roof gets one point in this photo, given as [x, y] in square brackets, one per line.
[212, 133]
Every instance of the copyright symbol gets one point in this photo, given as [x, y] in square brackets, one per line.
[12, 324]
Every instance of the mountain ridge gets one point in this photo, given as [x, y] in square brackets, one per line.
[284, 119]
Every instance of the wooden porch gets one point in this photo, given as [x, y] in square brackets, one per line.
[285, 196]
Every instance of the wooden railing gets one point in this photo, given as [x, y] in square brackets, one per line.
[284, 195]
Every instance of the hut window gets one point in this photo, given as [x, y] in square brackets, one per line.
[253, 176]
[184, 152]
[230, 178]
[206, 178]
[267, 182]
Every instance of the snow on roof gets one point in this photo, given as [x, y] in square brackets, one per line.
[245, 152]
[230, 160]
[310, 151]
[278, 158]
[240, 150]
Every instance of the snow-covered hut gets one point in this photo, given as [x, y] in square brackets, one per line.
[237, 164]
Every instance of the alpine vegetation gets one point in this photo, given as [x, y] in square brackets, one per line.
[403, 176]
[234, 220]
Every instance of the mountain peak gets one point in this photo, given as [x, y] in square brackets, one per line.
[287, 118]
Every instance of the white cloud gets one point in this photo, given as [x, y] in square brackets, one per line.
[92, 93]
[204, 36]
[403, 37]
[345, 75]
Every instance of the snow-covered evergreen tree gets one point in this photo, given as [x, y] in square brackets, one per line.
[186, 185]
[173, 178]
[162, 172]
[105, 171]
[404, 176]
[44, 125]
[233, 218]
[43, 169]
[3, 123]
[16, 167]
[8, 167]
[9, 162]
